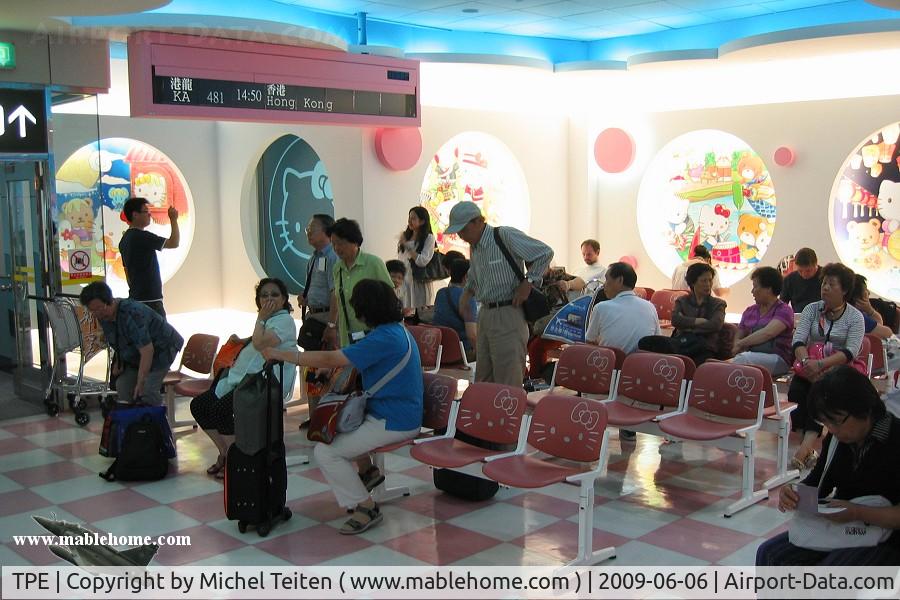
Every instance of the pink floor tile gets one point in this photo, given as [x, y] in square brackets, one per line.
[673, 499]
[15, 444]
[38, 555]
[734, 463]
[108, 505]
[548, 504]
[438, 505]
[316, 475]
[205, 508]
[44, 425]
[560, 540]
[43, 474]
[76, 450]
[321, 507]
[420, 472]
[205, 542]
[441, 543]
[699, 539]
[12, 503]
[313, 545]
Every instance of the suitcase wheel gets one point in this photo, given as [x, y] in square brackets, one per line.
[242, 526]
[82, 418]
[286, 514]
[263, 528]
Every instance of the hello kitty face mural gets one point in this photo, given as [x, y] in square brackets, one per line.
[864, 211]
[707, 188]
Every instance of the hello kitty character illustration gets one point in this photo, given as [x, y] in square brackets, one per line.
[151, 186]
[712, 225]
[889, 206]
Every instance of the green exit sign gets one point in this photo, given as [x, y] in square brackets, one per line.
[7, 55]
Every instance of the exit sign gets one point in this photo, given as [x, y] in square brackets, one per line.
[7, 55]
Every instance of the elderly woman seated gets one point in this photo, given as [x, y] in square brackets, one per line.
[274, 328]
[393, 413]
[767, 326]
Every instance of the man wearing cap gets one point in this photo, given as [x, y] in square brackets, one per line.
[502, 330]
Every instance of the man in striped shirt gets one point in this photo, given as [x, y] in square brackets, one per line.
[502, 330]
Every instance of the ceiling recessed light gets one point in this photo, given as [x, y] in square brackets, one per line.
[470, 10]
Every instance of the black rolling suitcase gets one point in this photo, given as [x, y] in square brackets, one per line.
[256, 484]
[462, 485]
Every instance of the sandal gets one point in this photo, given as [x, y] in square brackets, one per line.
[372, 478]
[217, 466]
[354, 525]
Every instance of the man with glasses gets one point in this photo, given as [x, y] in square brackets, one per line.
[139, 247]
[316, 298]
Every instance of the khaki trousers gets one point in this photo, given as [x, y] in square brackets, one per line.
[502, 338]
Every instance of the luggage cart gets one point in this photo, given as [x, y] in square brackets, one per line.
[75, 330]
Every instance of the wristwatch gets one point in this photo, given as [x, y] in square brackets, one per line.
[331, 325]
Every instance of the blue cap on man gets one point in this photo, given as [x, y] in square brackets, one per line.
[461, 214]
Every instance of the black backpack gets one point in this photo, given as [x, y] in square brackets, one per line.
[143, 455]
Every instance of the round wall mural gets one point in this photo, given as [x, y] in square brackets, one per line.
[707, 187]
[475, 167]
[865, 211]
[293, 186]
[92, 185]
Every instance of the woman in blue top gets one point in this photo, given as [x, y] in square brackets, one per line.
[274, 328]
[393, 414]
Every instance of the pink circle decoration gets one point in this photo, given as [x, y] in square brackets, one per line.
[398, 149]
[628, 259]
[614, 150]
[784, 156]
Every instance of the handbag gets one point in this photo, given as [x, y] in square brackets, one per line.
[310, 335]
[433, 271]
[344, 412]
[817, 533]
[821, 351]
[536, 305]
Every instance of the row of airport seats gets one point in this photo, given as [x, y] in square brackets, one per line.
[717, 403]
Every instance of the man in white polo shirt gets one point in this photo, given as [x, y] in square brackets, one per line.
[622, 320]
[625, 318]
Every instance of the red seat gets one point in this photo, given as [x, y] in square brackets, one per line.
[487, 411]
[583, 369]
[664, 301]
[649, 385]
[192, 387]
[878, 352]
[569, 428]
[644, 292]
[725, 406]
[453, 355]
[428, 340]
[198, 356]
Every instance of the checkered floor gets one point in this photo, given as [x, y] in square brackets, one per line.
[660, 504]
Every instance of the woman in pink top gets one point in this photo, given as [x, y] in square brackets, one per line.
[764, 335]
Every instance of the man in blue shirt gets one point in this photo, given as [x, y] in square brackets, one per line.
[315, 301]
[446, 308]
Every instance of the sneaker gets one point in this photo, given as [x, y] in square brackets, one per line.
[627, 435]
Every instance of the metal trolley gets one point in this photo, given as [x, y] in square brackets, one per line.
[75, 330]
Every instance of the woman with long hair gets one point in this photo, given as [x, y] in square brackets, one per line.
[416, 247]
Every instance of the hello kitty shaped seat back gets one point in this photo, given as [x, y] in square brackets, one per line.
[492, 412]
[652, 378]
[569, 427]
[728, 390]
[428, 339]
[664, 301]
[585, 368]
[440, 391]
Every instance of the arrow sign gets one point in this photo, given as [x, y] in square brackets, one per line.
[21, 113]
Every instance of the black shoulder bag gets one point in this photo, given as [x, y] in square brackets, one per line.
[536, 305]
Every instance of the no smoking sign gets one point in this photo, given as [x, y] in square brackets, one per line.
[79, 265]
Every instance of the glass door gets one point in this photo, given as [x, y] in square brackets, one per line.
[24, 339]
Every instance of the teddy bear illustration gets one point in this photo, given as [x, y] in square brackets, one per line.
[756, 185]
[865, 239]
[754, 235]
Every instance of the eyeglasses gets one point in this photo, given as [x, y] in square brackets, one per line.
[833, 424]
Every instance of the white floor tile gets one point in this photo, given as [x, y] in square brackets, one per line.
[753, 520]
[249, 556]
[635, 553]
[503, 521]
[69, 435]
[628, 519]
[178, 487]
[29, 458]
[376, 556]
[69, 490]
[158, 520]
[710, 481]
[508, 554]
